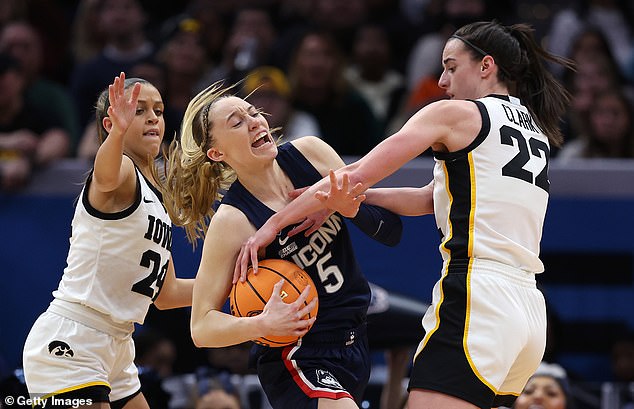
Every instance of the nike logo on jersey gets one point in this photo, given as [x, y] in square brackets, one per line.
[378, 228]
[145, 200]
[279, 239]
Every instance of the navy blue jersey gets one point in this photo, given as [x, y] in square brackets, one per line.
[326, 255]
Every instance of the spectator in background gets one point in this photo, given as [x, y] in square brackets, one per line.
[22, 41]
[372, 75]
[622, 358]
[319, 88]
[12, 10]
[340, 19]
[88, 39]
[608, 130]
[548, 389]
[122, 23]
[423, 60]
[155, 355]
[592, 77]
[29, 137]
[268, 89]
[248, 45]
[214, 27]
[218, 398]
[183, 55]
[154, 352]
[614, 18]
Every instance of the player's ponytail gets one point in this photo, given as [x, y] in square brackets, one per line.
[546, 98]
[191, 182]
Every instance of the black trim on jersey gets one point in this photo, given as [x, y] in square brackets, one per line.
[95, 393]
[152, 187]
[120, 403]
[459, 187]
[431, 369]
[484, 131]
[111, 216]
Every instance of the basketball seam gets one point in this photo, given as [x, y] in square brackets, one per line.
[285, 279]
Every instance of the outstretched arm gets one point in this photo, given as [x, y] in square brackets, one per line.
[405, 201]
[110, 171]
[432, 125]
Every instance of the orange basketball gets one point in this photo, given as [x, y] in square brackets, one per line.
[248, 298]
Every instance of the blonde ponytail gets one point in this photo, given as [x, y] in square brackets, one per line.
[190, 181]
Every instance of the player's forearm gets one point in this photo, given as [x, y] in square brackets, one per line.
[178, 294]
[217, 329]
[405, 201]
[299, 208]
[107, 168]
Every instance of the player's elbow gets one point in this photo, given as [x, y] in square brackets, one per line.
[197, 335]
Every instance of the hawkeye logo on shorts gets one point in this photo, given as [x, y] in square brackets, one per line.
[327, 379]
[60, 348]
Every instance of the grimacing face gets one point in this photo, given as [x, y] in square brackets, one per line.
[240, 133]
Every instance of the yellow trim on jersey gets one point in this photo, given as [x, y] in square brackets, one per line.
[77, 387]
[469, 271]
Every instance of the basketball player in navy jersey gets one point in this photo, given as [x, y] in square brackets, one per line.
[80, 351]
[485, 331]
[225, 139]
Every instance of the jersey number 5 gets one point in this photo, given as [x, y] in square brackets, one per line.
[515, 167]
[151, 285]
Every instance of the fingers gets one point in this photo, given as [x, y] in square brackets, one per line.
[134, 95]
[254, 260]
[242, 265]
[296, 192]
[237, 269]
[334, 183]
[357, 189]
[277, 290]
[321, 196]
[345, 183]
[303, 296]
[308, 308]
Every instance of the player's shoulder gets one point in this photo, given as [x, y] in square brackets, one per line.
[229, 219]
[228, 215]
[321, 155]
[308, 144]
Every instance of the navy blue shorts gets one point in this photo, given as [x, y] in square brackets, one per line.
[332, 366]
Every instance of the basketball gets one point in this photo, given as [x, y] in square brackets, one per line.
[249, 297]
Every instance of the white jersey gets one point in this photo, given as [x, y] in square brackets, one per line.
[490, 198]
[117, 262]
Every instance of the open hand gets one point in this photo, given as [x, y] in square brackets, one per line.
[121, 110]
[312, 222]
[341, 198]
[284, 319]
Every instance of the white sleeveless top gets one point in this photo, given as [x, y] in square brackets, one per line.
[490, 198]
[117, 262]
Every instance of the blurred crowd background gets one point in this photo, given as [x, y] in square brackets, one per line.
[348, 71]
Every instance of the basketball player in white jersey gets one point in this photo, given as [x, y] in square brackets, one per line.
[485, 330]
[80, 351]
